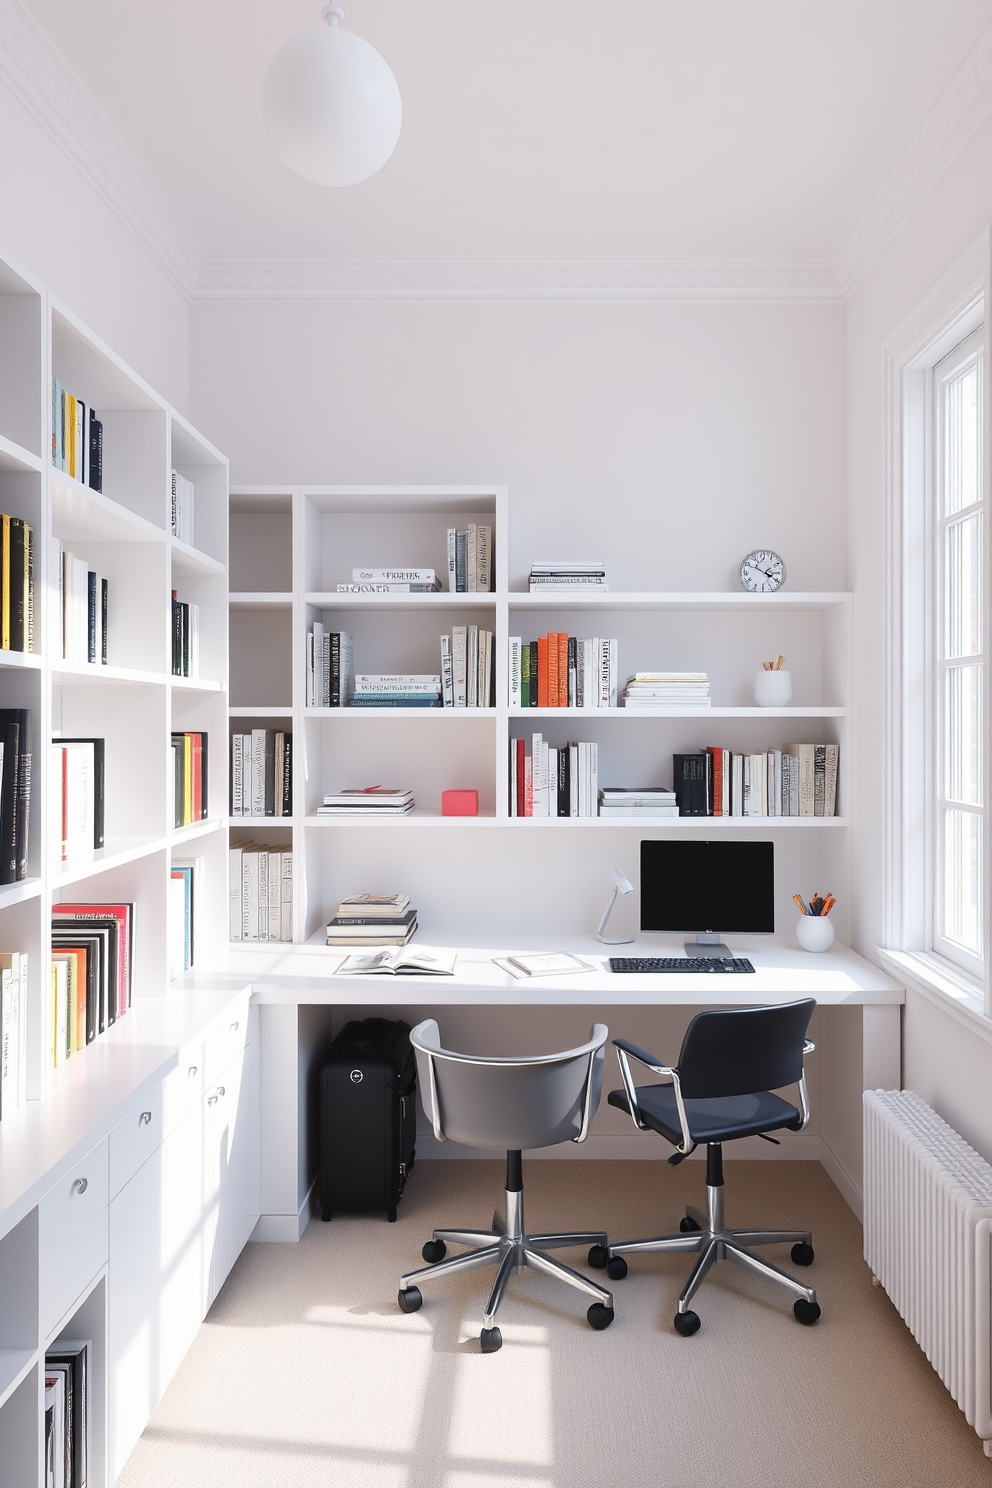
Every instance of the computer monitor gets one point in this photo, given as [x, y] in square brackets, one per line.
[707, 889]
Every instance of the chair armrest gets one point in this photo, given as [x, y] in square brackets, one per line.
[624, 1048]
[808, 1046]
[642, 1057]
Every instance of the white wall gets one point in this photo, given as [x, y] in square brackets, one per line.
[56, 225]
[950, 1066]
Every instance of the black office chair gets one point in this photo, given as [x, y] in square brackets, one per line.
[732, 1060]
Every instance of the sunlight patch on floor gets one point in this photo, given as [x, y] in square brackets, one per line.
[501, 1408]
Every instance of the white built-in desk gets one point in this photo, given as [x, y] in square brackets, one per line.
[300, 1003]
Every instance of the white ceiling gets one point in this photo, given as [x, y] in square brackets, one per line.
[532, 129]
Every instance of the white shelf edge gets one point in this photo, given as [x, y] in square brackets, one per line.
[15, 1365]
[199, 561]
[631, 713]
[661, 599]
[195, 684]
[22, 458]
[178, 835]
[257, 710]
[694, 823]
[71, 672]
[17, 893]
[114, 855]
[413, 819]
[327, 600]
[406, 712]
[28, 660]
[260, 821]
[131, 524]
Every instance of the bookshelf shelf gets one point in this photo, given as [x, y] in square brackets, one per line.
[448, 715]
[723, 600]
[116, 853]
[14, 456]
[17, 893]
[392, 602]
[706, 824]
[259, 711]
[196, 684]
[257, 600]
[416, 818]
[80, 514]
[15, 1365]
[82, 673]
[629, 715]
[27, 660]
[190, 561]
[179, 835]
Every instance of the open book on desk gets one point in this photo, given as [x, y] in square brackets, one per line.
[543, 963]
[400, 961]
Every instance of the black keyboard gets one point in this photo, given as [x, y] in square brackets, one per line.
[711, 964]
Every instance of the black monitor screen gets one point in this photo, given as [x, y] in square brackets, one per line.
[701, 887]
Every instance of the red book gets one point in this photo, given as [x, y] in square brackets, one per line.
[551, 641]
[562, 670]
[197, 760]
[716, 778]
[521, 793]
[65, 913]
[542, 671]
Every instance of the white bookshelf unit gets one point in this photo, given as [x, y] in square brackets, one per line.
[292, 545]
[56, 1273]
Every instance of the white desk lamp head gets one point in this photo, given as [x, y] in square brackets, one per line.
[622, 885]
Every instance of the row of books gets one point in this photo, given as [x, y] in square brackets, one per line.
[468, 668]
[15, 793]
[92, 960]
[180, 920]
[262, 773]
[185, 638]
[78, 796]
[182, 508]
[16, 585]
[77, 438]
[548, 781]
[13, 1030]
[67, 1427]
[392, 581]
[396, 690]
[470, 559]
[261, 892]
[372, 920]
[84, 598]
[798, 780]
[563, 671]
[330, 669]
[564, 577]
[666, 690]
[370, 800]
[189, 778]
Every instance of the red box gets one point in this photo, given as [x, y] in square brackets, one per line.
[460, 803]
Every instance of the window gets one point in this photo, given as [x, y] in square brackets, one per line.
[960, 830]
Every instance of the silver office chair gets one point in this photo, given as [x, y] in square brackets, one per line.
[512, 1103]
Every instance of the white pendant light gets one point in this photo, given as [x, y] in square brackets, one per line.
[331, 105]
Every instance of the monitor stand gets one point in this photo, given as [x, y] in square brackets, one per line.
[709, 945]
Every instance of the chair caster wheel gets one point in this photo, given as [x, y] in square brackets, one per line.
[598, 1257]
[616, 1268]
[600, 1316]
[434, 1251]
[490, 1340]
[802, 1253]
[686, 1323]
[410, 1299]
[806, 1312]
[688, 1226]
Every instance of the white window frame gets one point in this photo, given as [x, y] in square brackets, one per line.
[952, 312]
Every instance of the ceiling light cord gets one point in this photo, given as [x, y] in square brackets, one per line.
[332, 14]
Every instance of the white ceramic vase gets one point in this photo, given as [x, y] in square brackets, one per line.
[772, 689]
[815, 932]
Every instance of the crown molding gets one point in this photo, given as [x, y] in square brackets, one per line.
[43, 82]
[962, 102]
[641, 280]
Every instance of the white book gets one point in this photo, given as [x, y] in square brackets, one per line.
[60, 1011]
[483, 553]
[447, 675]
[237, 775]
[346, 667]
[452, 560]
[512, 803]
[319, 700]
[275, 896]
[613, 672]
[286, 901]
[394, 576]
[573, 779]
[459, 641]
[539, 767]
[515, 696]
[79, 800]
[262, 906]
[583, 778]
[593, 777]
[9, 1040]
[472, 664]
[737, 785]
[22, 1028]
[235, 926]
[249, 894]
[413, 682]
[805, 755]
[194, 640]
[471, 560]
[176, 923]
[552, 780]
[604, 673]
[309, 669]
[830, 781]
[258, 772]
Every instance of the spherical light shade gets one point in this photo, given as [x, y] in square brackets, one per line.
[331, 106]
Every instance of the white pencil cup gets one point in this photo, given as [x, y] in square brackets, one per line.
[815, 932]
[772, 689]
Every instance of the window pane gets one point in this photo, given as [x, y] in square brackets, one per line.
[963, 879]
[962, 441]
[963, 586]
[962, 734]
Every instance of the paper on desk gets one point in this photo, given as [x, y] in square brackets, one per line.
[542, 963]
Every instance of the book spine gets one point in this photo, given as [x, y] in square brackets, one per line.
[830, 782]
[28, 588]
[394, 576]
[334, 669]
[819, 778]
[461, 585]
[471, 559]
[447, 674]
[286, 896]
[96, 455]
[309, 670]
[235, 925]
[237, 775]
[528, 785]
[534, 678]
[459, 641]
[483, 552]
[472, 668]
[511, 795]
[325, 671]
[561, 694]
[516, 694]
[542, 671]
[551, 647]
[287, 775]
[258, 772]
[604, 673]
[452, 562]
[521, 777]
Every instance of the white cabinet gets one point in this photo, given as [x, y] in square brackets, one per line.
[226, 1173]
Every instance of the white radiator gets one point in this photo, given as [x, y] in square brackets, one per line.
[928, 1241]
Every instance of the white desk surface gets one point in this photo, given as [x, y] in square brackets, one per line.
[783, 971]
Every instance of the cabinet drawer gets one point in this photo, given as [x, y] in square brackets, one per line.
[182, 1087]
[225, 1041]
[136, 1138]
[71, 1207]
[72, 1273]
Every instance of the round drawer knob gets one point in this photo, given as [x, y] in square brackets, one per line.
[145, 1118]
[80, 1186]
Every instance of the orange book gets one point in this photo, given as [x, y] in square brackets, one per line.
[552, 644]
[562, 670]
[542, 671]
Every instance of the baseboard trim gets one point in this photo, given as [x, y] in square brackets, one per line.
[632, 1145]
[282, 1229]
[842, 1180]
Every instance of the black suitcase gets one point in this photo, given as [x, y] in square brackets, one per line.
[368, 1117]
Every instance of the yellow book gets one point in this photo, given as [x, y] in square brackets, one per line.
[187, 780]
[5, 586]
[71, 432]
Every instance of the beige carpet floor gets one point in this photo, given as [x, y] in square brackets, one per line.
[306, 1373]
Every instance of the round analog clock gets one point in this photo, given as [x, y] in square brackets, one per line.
[761, 572]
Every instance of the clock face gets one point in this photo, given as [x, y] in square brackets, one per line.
[761, 572]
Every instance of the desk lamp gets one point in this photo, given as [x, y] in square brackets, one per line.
[622, 885]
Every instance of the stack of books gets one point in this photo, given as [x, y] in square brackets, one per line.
[641, 801]
[550, 781]
[77, 438]
[83, 604]
[181, 877]
[262, 773]
[566, 578]
[666, 690]
[261, 892]
[330, 679]
[396, 690]
[563, 671]
[92, 957]
[15, 793]
[185, 638]
[17, 585]
[798, 780]
[371, 800]
[189, 779]
[468, 668]
[78, 796]
[67, 1429]
[182, 508]
[13, 1030]
[470, 560]
[372, 920]
[391, 581]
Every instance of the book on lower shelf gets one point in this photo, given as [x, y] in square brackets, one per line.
[546, 780]
[261, 892]
[470, 559]
[563, 671]
[391, 581]
[330, 668]
[562, 576]
[396, 690]
[372, 920]
[648, 801]
[15, 792]
[67, 1427]
[189, 778]
[185, 637]
[16, 584]
[797, 780]
[182, 879]
[182, 508]
[262, 773]
[92, 959]
[468, 667]
[84, 604]
[649, 690]
[370, 800]
[13, 1030]
[77, 438]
